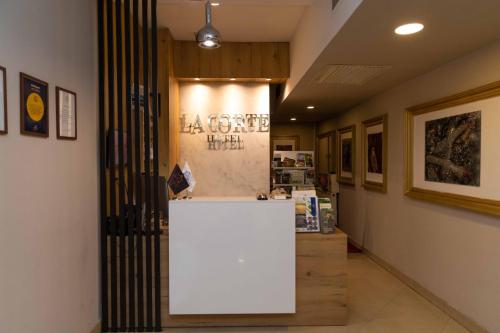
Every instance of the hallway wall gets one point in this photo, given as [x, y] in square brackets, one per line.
[451, 252]
[49, 271]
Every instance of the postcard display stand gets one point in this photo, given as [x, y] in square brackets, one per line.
[293, 170]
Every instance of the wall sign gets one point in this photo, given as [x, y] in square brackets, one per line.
[225, 131]
[34, 106]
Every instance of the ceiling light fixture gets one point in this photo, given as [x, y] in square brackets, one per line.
[310, 107]
[208, 37]
[293, 119]
[408, 29]
[268, 79]
[232, 79]
[197, 79]
[215, 4]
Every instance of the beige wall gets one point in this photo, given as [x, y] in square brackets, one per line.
[453, 253]
[225, 172]
[306, 132]
[49, 248]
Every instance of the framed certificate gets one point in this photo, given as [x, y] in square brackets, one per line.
[66, 114]
[34, 106]
[3, 100]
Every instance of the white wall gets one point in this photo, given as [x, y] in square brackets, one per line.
[225, 172]
[317, 27]
[49, 280]
[453, 253]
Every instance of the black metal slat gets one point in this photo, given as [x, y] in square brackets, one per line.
[130, 173]
[147, 170]
[121, 174]
[137, 156]
[111, 132]
[156, 203]
[102, 170]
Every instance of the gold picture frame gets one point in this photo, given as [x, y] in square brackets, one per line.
[343, 157]
[470, 202]
[375, 180]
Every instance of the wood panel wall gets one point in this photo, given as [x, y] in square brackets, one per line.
[232, 60]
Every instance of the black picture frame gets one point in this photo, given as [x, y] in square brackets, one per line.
[35, 116]
[60, 90]
[5, 128]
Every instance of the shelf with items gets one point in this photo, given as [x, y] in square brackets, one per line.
[292, 170]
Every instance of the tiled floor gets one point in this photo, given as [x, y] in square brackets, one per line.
[378, 302]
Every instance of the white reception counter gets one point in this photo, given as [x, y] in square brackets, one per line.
[231, 256]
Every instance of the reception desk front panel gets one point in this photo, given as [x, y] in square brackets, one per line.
[231, 256]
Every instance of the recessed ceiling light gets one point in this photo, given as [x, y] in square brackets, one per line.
[268, 79]
[197, 79]
[408, 29]
[293, 119]
[310, 107]
[215, 4]
[232, 79]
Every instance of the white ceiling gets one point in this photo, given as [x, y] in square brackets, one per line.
[236, 20]
[452, 29]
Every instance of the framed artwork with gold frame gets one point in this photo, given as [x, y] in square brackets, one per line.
[452, 150]
[286, 143]
[346, 155]
[374, 133]
[34, 98]
[325, 152]
[3, 101]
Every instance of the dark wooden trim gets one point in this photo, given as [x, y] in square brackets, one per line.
[5, 120]
[147, 167]
[59, 136]
[138, 166]
[121, 175]
[102, 169]
[156, 167]
[130, 172]
[112, 187]
[22, 109]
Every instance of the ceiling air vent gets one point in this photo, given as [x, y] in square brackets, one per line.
[353, 75]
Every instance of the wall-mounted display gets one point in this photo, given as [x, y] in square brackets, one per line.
[34, 106]
[452, 150]
[346, 138]
[3, 100]
[66, 114]
[374, 135]
[285, 143]
[327, 156]
[292, 169]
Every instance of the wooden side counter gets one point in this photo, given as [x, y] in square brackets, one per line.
[321, 288]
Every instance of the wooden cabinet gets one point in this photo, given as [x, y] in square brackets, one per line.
[321, 272]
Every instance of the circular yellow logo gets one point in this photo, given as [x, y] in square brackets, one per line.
[35, 106]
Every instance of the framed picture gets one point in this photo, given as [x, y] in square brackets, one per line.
[285, 143]
[3, 100]
[66, 114]
[34, 106]
[374, 135]
[452, 150]
[346, 138]
[326, 155]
